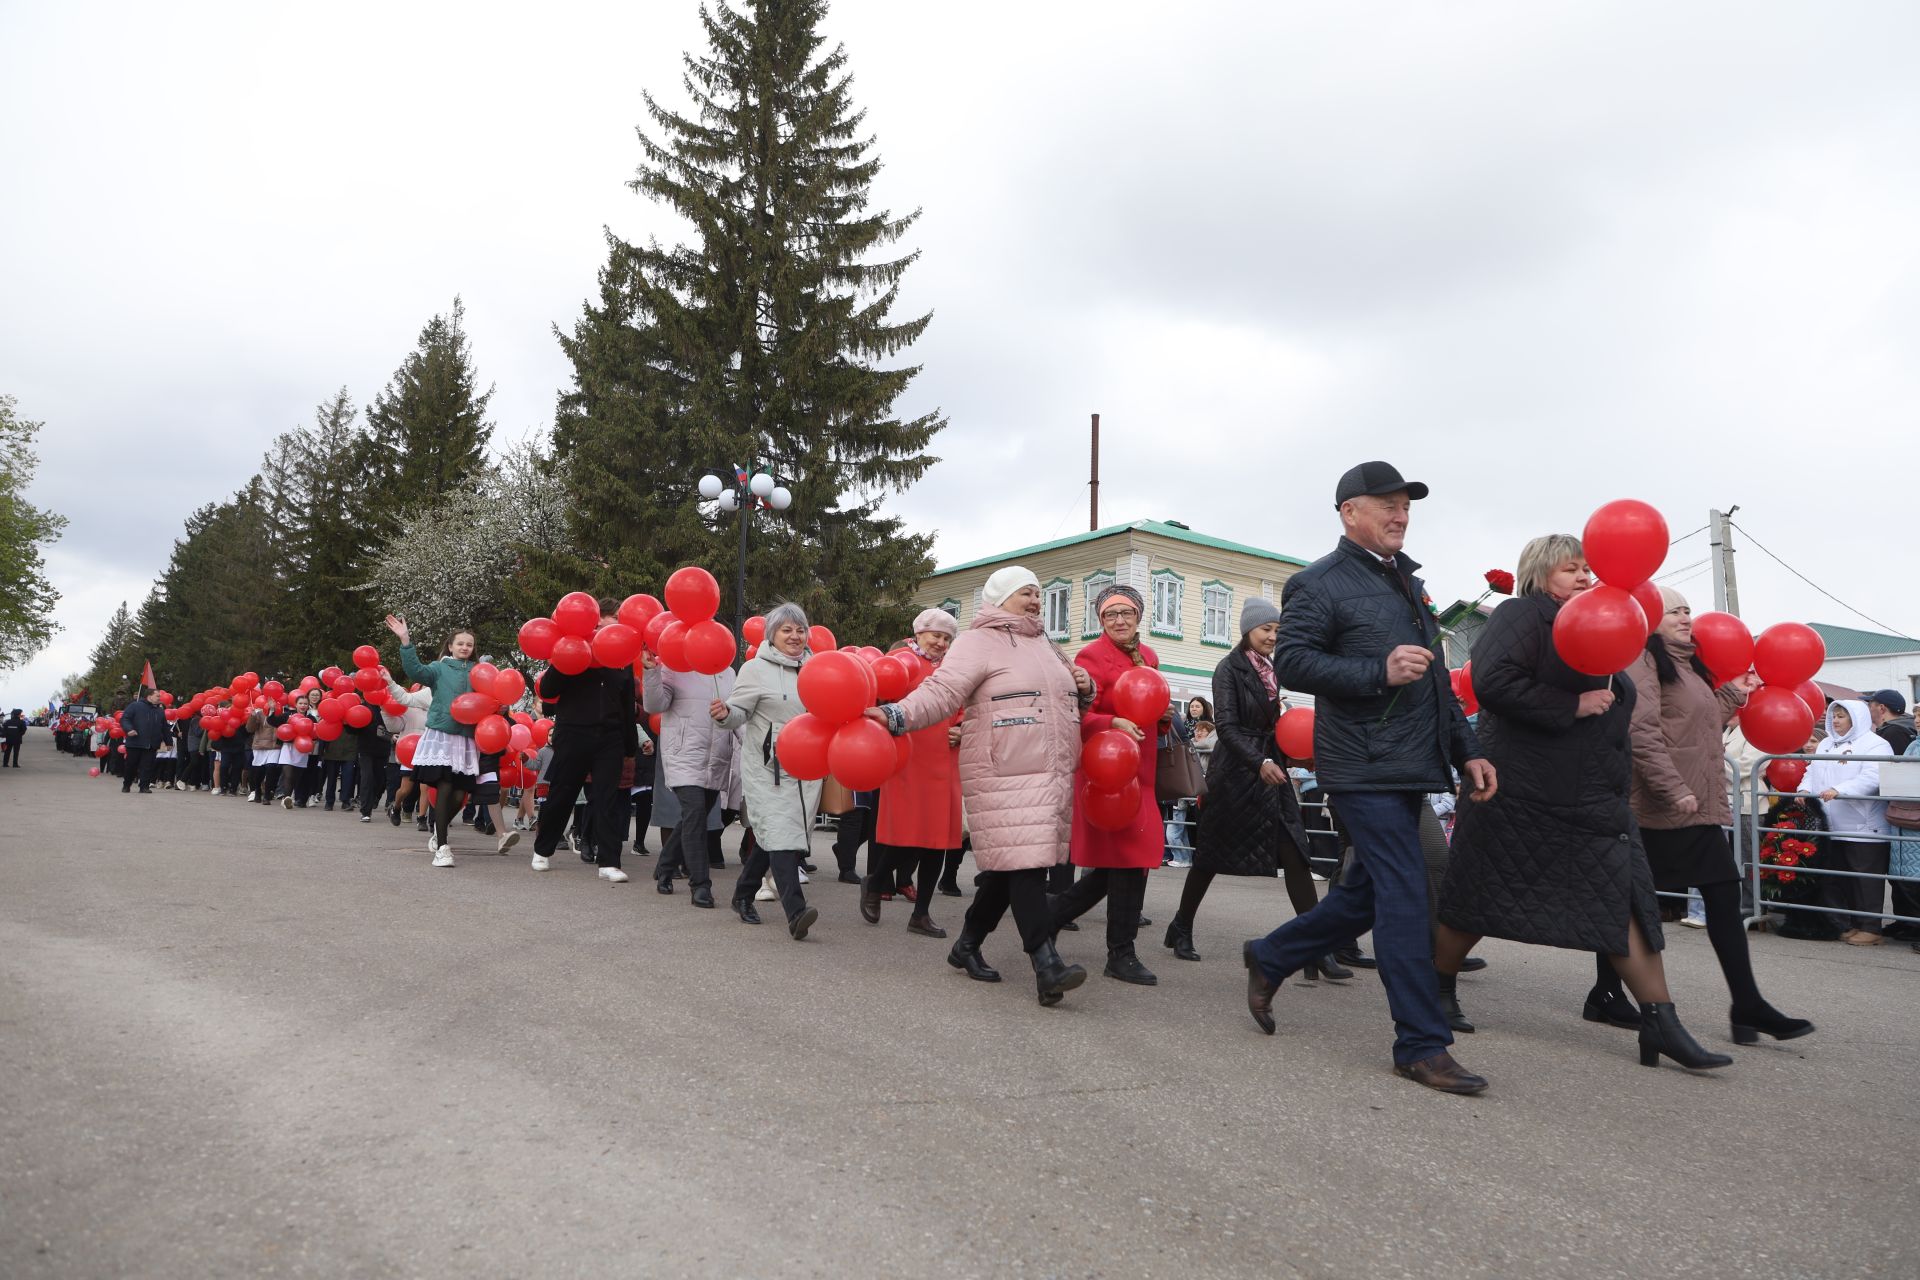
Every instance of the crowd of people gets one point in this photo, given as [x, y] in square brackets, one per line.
[1574, 800]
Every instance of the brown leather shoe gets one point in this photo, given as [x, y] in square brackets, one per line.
[1443, 1073]
[1259, 990]
[869, 904]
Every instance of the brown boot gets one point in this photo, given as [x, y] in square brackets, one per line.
[1443, 1073]
[1259, 990]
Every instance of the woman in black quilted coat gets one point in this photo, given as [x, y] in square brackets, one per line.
[1250, 822]
[1555, 858]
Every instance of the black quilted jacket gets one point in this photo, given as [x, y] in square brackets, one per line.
[1554, 858]
[1244, 820]
[1339, 618]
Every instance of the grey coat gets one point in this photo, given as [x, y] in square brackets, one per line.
[693, 751]
[780, 808]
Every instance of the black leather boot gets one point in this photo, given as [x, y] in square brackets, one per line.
[1123, 963]
[1611, 1007]
[966, 955]
[743, 907]
[1661, 1032]
[1180, 938]
[1450, 1003]
[1748, 1024]
[1052, 976]
[1326, 967]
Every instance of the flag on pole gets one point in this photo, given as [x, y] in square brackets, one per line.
[146, 675]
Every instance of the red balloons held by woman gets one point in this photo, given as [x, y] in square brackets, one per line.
[709, 647]
[404, 746]
[363, 657]
[1785, 775]
[537, 636]
[834, 686]
[303, 744]
[1788, 653]
[480, 677]
[1293, 733]
[1112, 810]
[1141, 695]
[754, 629]
[891, 679]
[693, 594]
[1647, 596]
[802, 746]
[509, 687]
[655, 628]
[821, 640]
[1109, 758]
[616, 645]
[358, 717]
[1600, 632]
[571, 655]
[284, 732]
[328, 730]
[672, 647]
[1624, 541]
[1775, 720]
[861, 755]
[638, 610]
[472, 708]
[1724, 644]
[492, 735]
[1815, 698]
[577, 614]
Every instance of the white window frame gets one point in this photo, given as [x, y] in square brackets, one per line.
[1216, 601]
[1167, 583]
[1090, 587]
[1056, 596]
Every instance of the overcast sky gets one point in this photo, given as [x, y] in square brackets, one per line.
[1538, 255]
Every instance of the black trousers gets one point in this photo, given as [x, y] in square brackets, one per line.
[1025, 892]
[855, 827]
[785, 864]
[372, 781]
[138, 764]
[1846, 893]
[1124, 888]
[336, 782]
[583, 758]
[893, 867]
[690, 838]
[640, 807]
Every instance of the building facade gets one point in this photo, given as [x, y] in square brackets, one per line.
[1193, 585]
[1870, 660]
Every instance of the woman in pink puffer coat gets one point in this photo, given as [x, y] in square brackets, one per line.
[1019, 743]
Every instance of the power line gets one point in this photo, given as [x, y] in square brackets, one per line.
[1817, 587]
[1674, 542]
[1674, 573]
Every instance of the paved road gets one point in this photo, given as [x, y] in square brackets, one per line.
[245, 1042]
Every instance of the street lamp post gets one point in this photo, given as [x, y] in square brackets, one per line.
[742, 492]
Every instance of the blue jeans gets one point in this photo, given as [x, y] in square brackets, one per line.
[1386, 891]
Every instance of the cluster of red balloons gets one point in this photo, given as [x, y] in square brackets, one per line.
[682, 633]
[1110, 761]
[1602, 630]
[1780, 715]
[833, 736]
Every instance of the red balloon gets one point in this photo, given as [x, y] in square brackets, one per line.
[861, 754]
[1600, 632]
[472, 708]
[1142, 696]
[94, 772]
[359, 717]
[328, 730]
[1724, 644]
[693, 594]
[275, 690]
[1785, 775]
[542, 729]
[1109, 758]
[869, 654]
[1647, 596]
[369, 679]
[331, 674]
[801, 746]
[304, 745]
[1816, 700]
[1112, 810]
[638, 610]
[404, 747]
[616, 645]
[1788, 653]
[673, 645]
[520, 738]
[577, 614]
[1775, 720]
[821, 640]
[331, 709]
[891, 679]
[509, 687]
[1293, 733]
[571, 655]
[363, 657]
[344, 683]
[480, 677]
[834, 686]
[491, 735]
[752, 651]
[1463, 690]
[537, 636]
[755, 629]
[655, 628]
[302, 726]
[1624, 541]
[709, 647]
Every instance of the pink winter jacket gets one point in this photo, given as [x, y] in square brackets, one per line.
[1019, 740]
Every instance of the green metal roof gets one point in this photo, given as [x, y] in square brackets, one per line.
[1145, 526]
[1850, 642]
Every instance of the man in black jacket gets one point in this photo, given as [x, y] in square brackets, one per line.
[147, 728]
[13, 731]
[593, 734]
[1357, 631]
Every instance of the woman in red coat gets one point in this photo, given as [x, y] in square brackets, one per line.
[919, 822]
[1118, 861]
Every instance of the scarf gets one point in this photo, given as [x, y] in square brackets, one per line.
[1264, 666]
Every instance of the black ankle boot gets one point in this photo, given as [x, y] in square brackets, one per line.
[1052, 976]
[1450, 1003]
[966, 955]
[1611, 1007]
[1123, 963]
[1325, 967]
[1661, 1032]
[1749, 1023]
[1180, 938]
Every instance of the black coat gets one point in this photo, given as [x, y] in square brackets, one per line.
[147, 726]
[1339, 618]
[592, 706]
[1243, 820]
[1554, 858]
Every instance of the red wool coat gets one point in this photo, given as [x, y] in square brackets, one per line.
[920, 805]
[1143, 844]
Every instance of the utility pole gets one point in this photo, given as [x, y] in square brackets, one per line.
[1726, 592]
[1093, 485]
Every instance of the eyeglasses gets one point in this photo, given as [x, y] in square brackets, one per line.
[1120, 615]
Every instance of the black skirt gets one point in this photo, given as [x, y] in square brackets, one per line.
[1688, 857]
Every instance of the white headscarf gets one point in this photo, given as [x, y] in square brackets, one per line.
[1004, 582]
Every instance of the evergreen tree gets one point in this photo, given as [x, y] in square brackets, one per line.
[26, 597]
[113, 668]
[216, 600]
[759, 342]
[428, 428]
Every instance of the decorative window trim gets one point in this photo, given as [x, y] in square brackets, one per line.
[1089, 588]
[1177, 632]
[1224, 640]
[952, 606]
[1064, 587]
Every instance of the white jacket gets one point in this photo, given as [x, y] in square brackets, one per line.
[414, 718]
[1855, 810]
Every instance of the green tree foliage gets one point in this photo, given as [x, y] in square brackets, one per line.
[762, 341]
[26, 596]
[113, 668]
[428, 427]
[216, 607]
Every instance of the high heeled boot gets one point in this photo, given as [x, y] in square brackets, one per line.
[1749, 1023]
[1180, 939]
[1450, 1003]
[1661, 1032]
[1052, 976]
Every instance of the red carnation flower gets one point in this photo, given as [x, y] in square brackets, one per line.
[1500, 580]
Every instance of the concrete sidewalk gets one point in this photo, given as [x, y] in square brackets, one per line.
[237, 1041]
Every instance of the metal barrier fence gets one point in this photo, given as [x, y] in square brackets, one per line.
[1761, 797]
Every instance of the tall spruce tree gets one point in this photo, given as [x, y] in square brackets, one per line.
[113, 668]
[428, 427]
[759, 342]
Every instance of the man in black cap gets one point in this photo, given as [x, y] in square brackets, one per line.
[1358, 632]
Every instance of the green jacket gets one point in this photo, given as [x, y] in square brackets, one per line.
[448, 679]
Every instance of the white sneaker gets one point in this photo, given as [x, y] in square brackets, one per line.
[766, 893]
[253, 797]
[508, 839]
[1695, 922]
[613, 875]
[442, 856]
[541, 864]
[803, 877]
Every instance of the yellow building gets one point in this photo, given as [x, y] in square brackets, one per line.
[1194, 586]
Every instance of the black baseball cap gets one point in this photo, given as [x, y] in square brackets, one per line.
[1375, 478]
[1890, 699]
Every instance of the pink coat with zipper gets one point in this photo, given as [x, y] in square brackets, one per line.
[1019, 738]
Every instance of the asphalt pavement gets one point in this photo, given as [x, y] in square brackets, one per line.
[239, 1041]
